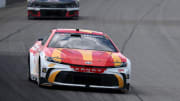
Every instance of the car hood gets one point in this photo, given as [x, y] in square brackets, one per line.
[85, 57]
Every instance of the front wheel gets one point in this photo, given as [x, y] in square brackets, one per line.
[39, 81]
[126, 89]
[29, 69]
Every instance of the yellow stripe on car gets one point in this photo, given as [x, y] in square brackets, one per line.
[53, 76]
[120, 81]
[87, 55]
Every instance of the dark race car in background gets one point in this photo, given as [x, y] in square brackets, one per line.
[53, 9]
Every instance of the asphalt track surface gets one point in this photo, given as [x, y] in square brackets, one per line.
[147, 31]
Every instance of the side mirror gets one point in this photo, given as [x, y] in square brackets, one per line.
[40, 39]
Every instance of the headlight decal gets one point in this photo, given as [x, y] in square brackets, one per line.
[116, 59]
[123, 64]
[54, 59]
[57, 55]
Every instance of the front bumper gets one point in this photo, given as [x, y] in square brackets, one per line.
[85, 79]
[69, 77]
[52, 12]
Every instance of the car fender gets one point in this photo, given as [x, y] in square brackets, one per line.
[34, 58]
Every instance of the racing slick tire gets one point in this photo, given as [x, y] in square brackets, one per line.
[39, 80]
[126, 89]
[76, 18]
[30, 17]
[28, 72]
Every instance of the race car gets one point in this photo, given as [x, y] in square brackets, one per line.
[53, 9]
[79, 58]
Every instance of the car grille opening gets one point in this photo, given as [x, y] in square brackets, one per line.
[53, 12]
[87, 78]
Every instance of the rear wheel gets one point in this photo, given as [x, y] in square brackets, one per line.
[76, 17]
[29, 17]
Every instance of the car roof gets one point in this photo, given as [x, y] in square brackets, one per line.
[82, 31]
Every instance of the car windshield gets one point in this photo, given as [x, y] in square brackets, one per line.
[81, 41]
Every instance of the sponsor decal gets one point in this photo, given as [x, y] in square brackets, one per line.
[88, 63]
[88, 69]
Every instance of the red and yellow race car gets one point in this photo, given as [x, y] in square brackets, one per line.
[81, 58]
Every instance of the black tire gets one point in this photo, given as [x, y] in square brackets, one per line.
[126, 89]
[39, 81]
[30, 17]
[28, 72]
[76, 18]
